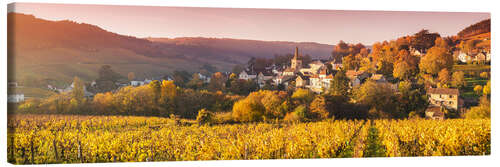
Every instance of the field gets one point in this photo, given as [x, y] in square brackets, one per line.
[41, 139]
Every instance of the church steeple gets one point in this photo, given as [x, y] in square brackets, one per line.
[296, 62]
[296, 56]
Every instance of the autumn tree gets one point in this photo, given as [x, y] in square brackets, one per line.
[319, 108]
[131, 76]
[379, 97]
[204, 117]
[478, 89]
[487, 88]
[195, 82]
[444, 77]
[435, 60]
[217, 82]
[303, 96]
[423, 40]
[457, 79]
[406, 65]
[481, 111]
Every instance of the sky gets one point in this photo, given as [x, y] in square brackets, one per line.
[322, 26]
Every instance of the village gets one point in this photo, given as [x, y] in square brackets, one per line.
[315, 76]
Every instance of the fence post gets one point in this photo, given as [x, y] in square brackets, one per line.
[80, 156]
[12, 147]
[55, 149]
[32, 153]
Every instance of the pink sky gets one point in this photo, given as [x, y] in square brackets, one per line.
[323, 26]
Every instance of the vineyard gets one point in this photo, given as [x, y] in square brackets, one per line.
[41, 139]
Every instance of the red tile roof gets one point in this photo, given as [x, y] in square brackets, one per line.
[447, 91]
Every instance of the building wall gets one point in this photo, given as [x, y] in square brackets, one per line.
[447, 100]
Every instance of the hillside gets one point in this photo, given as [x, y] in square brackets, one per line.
[476, 29]
[59, 50]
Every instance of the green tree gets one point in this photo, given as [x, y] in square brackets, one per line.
[339, 86]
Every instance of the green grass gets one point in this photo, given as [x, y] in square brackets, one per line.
[468, 91]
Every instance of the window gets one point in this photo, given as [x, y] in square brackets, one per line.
[451, 96]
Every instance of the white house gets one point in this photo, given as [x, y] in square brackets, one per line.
[136, 83]
[464, 57]
[247, 75]
[15, 98]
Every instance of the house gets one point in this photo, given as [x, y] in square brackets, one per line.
[247, 75]
[15, 98]
[289, 72]
[356, 77]
[480, 57]
[264, 76]
[379, 78]
[314, 67]
[336, 64]
[445, 97]
[72, 86]
[463, 57]
[434, 112]
[204, 78]
[301, 81]
[283, 80]
[488, 56]
[320, 82]
[136, 83]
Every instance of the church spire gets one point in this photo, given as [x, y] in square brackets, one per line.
[296, 56]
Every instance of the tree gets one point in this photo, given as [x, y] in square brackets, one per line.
[379, 97]
[481, 111]
[303, 96]
[107, 74]
[487, 88]
[248, 110]
[444, 76]
[299, 114]
[78, 90]
[478, 89]
[217, 82]
[318, 108]
[195, 82]
[406, 65]
[204, 117]
[350, 63]
[435, 60]
[457, 79]
[339, 86]
[423, 40]
[484, 75]
[131, 76]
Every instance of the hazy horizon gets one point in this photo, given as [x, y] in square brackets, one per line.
[321, 26]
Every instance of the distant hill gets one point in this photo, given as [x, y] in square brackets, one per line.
[59, 50]
[476, 29]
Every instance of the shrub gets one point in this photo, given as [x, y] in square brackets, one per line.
[204, 117]
[484, 75]
[478, 89]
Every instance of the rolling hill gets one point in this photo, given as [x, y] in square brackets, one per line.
[59, 50]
